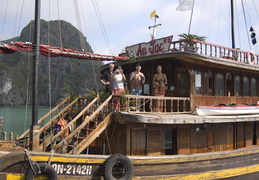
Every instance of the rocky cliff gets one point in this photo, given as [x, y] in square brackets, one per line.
[57, 76]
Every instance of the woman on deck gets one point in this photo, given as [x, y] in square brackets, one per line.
[159, 82]
[117, 80]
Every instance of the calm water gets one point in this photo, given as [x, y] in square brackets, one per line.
[18, 119]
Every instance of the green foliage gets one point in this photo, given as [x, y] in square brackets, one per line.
[93, 93]
[185, 36]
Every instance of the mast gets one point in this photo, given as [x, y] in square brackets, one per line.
[232, 24]
[34, 126]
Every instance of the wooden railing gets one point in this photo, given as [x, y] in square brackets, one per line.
[48, 115]
[213, 50]
[84, 135]
[133, 103]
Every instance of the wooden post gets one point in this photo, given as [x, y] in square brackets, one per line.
[11, 136]
[35, 138]
[4, 136]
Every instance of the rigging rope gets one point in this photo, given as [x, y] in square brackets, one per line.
[60, 33]
[99, 16]
[4, 20]
[79, 26]
[246, 23]
[238, 29]
[16, 19]
[217, 37]
[20, 20]
[27, 85]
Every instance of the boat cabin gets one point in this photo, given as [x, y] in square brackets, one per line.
[203, 75]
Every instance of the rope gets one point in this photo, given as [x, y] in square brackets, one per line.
[238, 29]
[81, 38]
[20, 19]
[99, 16]
[32, 162]
[16, 18]
[60, 34]
[50, 157]
[4, 20]
[27, 85]
[246, 24]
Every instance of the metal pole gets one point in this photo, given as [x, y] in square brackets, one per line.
[190, 23]
[35, 71]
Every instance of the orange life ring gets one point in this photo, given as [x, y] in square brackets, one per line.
[249, 59]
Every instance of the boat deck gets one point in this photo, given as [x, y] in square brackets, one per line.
[169, 118]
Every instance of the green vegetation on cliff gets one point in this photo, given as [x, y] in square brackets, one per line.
[67, 76]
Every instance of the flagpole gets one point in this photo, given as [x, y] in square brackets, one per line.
[154, 29]
[154, 15]
[190, 23]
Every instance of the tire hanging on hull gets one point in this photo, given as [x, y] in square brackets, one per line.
[118, 166]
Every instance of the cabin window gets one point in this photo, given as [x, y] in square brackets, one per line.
[197, 82]
[229, 85]
[208, 83]
[254, 86]
[246, 86]
[220, 84]
[238, 85]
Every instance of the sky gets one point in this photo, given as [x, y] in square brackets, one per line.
[111, 25]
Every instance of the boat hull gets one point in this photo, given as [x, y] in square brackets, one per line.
[217, 165]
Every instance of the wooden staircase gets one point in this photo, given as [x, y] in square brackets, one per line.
[90, 128]
[86, 121]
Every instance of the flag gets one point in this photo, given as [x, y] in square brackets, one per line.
[185, 5]
[253, 39]
[153, 14]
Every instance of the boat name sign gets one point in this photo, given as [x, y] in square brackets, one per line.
[155, 46]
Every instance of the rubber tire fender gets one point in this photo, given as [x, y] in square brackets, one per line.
[44, 168]
[114, 160]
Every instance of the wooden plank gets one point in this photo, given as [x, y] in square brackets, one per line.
[230, 137]
[94, 134]
[183, 140]
[248, 134]
[257, 133]
[153, 142]
[138, 142]
[240, 135]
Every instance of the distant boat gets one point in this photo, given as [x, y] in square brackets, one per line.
[227, 109]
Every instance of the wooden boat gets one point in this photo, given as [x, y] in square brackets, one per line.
[138, 142]
[227, 109]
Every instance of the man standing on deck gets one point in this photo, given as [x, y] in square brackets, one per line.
[137, 79]
[106, 79]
